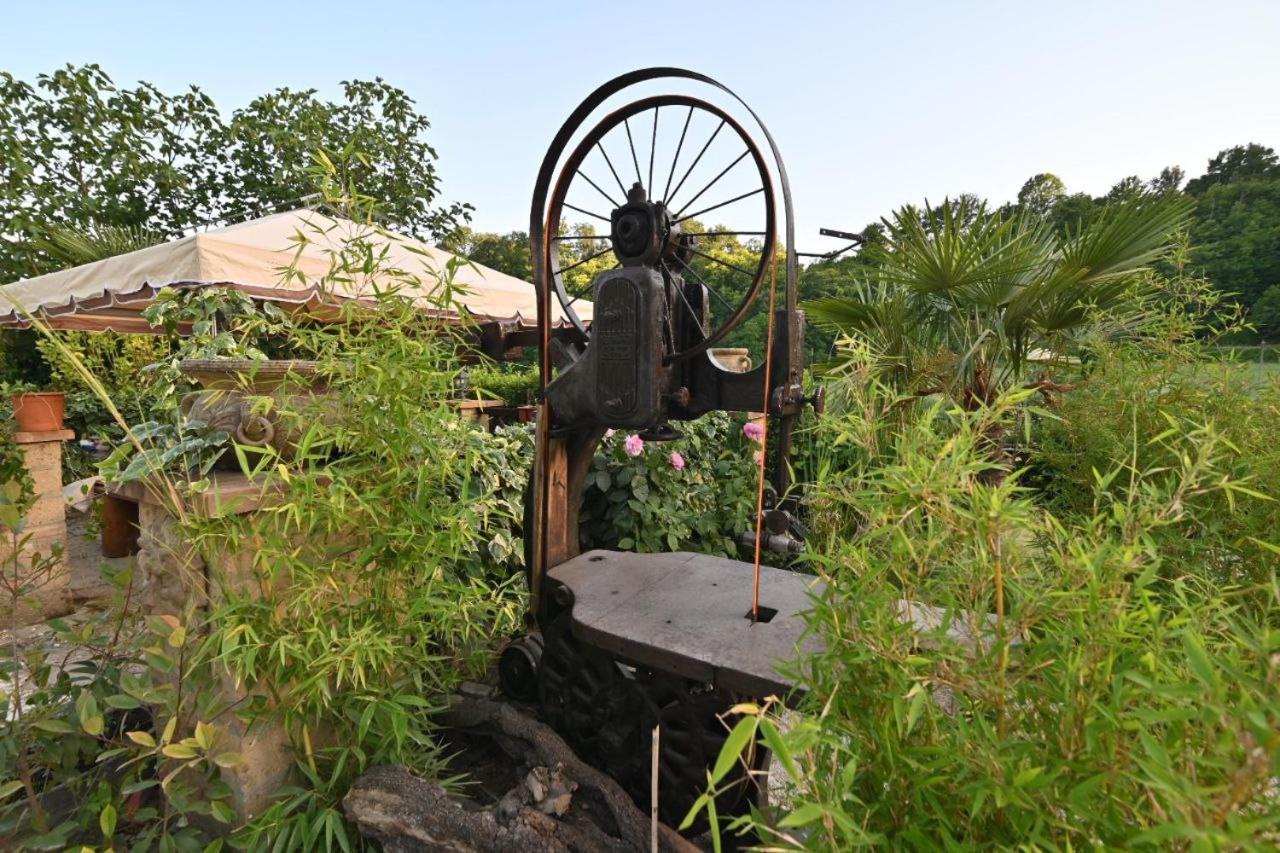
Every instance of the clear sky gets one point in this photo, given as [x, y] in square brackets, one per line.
[872, 104]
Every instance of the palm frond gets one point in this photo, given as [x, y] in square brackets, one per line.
[1126, 236]
[76, 246]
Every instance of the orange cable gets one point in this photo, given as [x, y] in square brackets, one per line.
[764, 439]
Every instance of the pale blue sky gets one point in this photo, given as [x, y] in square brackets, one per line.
[873, 105]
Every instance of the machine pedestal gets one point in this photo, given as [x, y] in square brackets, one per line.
[687, 615]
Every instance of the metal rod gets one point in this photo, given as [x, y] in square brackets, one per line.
[653, 149]
[764, 441]
[611, 169]
[691, 271]
[634, 160]
[692, 313]
[688, 171]
[734, 267]
[721, 204]
[680, 145]
[607, 197]
[588, 213]
[714, 181]
[564, 270]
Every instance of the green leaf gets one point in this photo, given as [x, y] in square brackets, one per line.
[8, 788]
[778, 746]
[806, 814]
[93, 725]
[222, 812]
[54, 726]
[1026, 775]
[916, 707]
[228, 759]
[142, 739]
[107, 821]
[741, 735]
[1199, 661]
[179, 751]
[122, 702]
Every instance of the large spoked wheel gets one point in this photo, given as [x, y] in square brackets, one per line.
[712, 166]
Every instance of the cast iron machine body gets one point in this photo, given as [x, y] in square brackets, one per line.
[626, 642]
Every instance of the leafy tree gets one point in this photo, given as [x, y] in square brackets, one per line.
[1072, 212]
[508, 253]
[269, 146]
[1168, 181]
[1242, 162]
[1236, 237]
[1040, 193]
[1266, 314]
[1126, 188]
[76, 151]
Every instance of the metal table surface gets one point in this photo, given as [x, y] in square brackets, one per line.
[686, 614]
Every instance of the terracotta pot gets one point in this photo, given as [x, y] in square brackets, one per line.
[39, 411]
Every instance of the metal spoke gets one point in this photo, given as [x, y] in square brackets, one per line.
[584, 293]
[653, 149]
[691, 271]
[666, 193]
[579, 237]
[611, 169]
[634, 160]
[692, 313]
[588, 213]
[688, 171]
[607, 197]
[713, 258]
[721, 204]
[591, 257]
[714, 181]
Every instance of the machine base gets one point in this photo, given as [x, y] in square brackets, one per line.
[687, 615]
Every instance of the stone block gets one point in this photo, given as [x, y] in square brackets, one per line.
[42, 571]
[41, 566]
[44, 464]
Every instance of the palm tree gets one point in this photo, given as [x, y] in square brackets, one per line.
[960, 299]
[75, 246]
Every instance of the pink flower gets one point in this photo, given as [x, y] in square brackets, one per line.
[677, 461]
[609, 433]
[634, 445]
[753, 430]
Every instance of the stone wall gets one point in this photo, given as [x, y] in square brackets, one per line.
[41, 565]
[176, 578]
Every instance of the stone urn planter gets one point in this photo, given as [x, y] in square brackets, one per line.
[732, 359]
[39, 411]
[247, 399]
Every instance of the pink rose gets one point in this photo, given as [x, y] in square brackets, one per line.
[677, 461]
[634, 445]
[753, 430]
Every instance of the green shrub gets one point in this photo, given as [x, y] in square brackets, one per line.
[1084, 689]
[1115, 418]
[696, 493]
[514, 386]
[378, 581]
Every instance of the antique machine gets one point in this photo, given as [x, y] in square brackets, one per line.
[623, 642]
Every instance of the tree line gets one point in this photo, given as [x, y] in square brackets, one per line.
[89, 167]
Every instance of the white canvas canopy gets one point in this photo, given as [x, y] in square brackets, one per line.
[252, 257]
